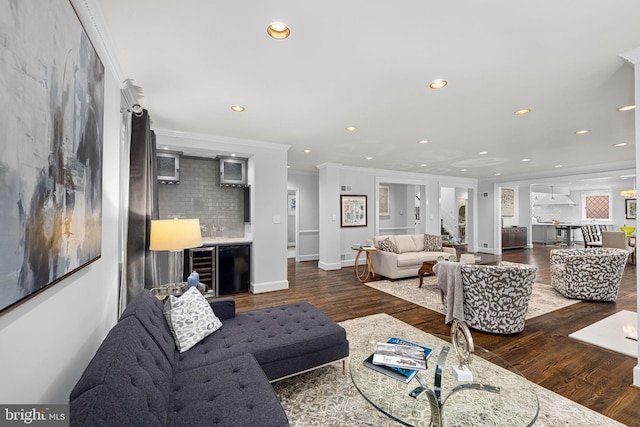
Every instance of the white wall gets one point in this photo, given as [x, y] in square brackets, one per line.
[267, 175]
[48, 340]
[306, 183]
[364, 181]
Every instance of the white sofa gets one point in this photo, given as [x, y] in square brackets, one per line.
[411, 254]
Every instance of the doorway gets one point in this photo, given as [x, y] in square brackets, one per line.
[292, 223]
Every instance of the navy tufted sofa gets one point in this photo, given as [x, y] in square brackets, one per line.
[137, 376]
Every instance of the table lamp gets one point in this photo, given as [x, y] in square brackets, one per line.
[175, 235]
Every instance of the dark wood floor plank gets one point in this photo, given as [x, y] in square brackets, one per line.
[594, 377]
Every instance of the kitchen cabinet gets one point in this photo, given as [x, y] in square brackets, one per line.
[514, 237]
[543, 234]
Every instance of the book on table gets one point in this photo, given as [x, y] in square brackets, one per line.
[405, 361]
[363, 247]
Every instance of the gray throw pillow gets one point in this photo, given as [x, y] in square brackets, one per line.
[190, 318]
[432, 243]
[388, 246]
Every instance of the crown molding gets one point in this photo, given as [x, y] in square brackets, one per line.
[92, 20]
[632, 56]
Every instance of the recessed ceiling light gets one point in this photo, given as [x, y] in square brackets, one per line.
[351, 128]
[237, 108]
[307, 151]
[288, 166]
[497, 174]
[463, 170]
[368, 158]
[423, 141]
[483, 152]
[620, 144]
[423, 165]
[278, 31]
[522, 112]
[582, 132]
[166, 148]
[525, 160]
[438, 84]
[627, 108]
[559, 166]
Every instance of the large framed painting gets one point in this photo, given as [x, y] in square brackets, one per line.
[506, 201]
[52, 101]
[353, 211]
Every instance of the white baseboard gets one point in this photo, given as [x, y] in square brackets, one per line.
[329, 266]
[311, 257]
[258, 288]
[636, 376]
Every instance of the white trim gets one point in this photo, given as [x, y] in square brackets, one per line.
[329, 266]
[222, 139]
[94, 24]
[309, 257]
[258, 288]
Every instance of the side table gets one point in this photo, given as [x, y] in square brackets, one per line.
[367, 268]
[427, 268]
[457, 246]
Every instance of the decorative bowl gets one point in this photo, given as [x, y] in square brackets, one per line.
[628, 230]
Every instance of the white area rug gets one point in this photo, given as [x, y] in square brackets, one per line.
[612, 332]
[326, 397]
[544, 298]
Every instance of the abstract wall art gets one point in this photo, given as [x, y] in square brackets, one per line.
[51, 122]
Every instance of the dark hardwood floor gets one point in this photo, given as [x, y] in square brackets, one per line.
[596, 378]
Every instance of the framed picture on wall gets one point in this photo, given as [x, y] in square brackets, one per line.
[630, 208]
[383, 200]
[506, 202]
[52, 149]
[291, 204]
[353, 211]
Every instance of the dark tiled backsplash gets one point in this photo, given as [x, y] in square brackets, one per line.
[199, 195]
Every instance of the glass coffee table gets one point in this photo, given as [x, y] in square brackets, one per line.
[515, 404]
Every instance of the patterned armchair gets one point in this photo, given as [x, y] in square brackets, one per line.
[589, 274]
[496, 297]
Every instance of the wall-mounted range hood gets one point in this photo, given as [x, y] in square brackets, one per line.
[557, 199]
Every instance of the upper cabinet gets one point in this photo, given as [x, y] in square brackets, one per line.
[168, 164]
[233, 171]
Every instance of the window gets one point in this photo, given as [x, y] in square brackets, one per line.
[597, 206]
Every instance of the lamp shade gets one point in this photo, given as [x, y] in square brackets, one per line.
[175, 234]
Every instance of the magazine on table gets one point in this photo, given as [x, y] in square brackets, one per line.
[403, 374]
[400, 356]
[400, 374]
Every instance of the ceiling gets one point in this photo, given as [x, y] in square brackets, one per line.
[368, 63]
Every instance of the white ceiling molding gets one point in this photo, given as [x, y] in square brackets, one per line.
[93, 22]
[632, 56]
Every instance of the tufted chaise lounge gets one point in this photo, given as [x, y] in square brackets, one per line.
[588, 274]
[137, 376]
